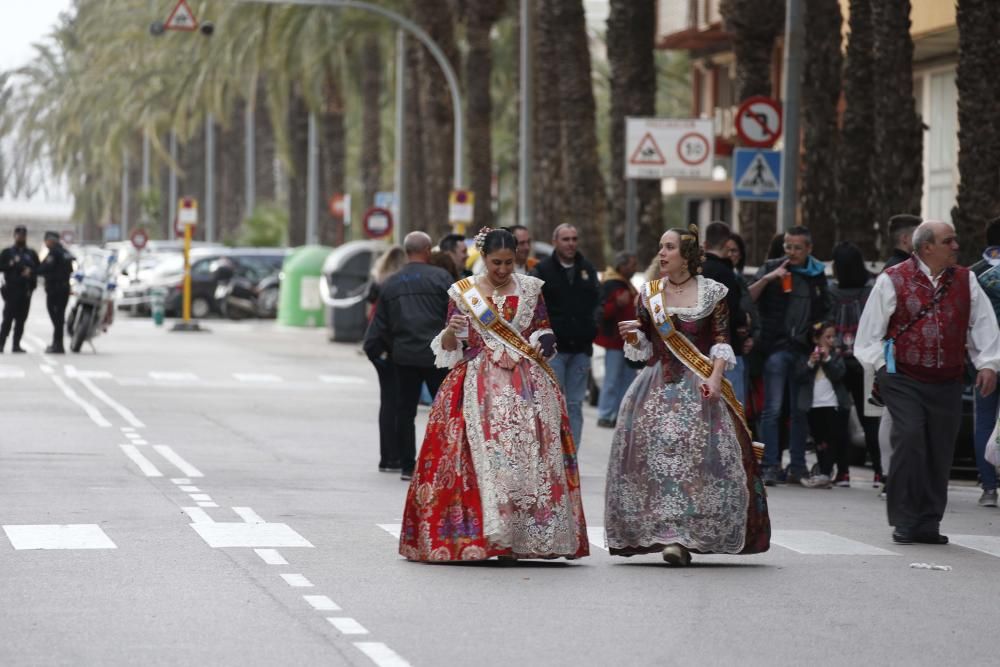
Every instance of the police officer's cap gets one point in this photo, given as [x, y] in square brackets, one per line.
[52, 235]
[20, 229]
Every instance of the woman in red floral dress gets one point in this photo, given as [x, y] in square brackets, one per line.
[497, 473]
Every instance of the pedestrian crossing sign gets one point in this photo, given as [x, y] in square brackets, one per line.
[756, 174]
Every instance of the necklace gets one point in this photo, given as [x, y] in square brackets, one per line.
[498, 298]
[678, 287]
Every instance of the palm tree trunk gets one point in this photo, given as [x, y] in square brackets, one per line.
[415, 188]
[371, 119]
[333, 156]
[550, 195]
[436, 17]
[979, 124]
[264, 148]
[855, 214]
[899, 137]
[630, 40]
[820, 94]
[230, 189]
[755, 26]
[480, 18]
[585, 183]
[298, 137]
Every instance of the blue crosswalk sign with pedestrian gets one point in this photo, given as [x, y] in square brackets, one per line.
[756, 174]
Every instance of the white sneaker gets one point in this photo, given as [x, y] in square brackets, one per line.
[819, 481]
[988, 499]
[675, 554]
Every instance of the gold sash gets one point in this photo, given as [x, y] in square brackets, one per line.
[482, 309]
[691, 356]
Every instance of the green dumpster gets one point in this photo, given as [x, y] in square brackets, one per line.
[300, 303]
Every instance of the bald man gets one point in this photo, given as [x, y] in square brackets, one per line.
[921, 318]
[412, 308]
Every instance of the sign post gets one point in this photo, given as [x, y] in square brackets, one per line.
[658, 148]
[461, 204]
[187, 217]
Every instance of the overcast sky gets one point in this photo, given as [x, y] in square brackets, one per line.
[29, 22]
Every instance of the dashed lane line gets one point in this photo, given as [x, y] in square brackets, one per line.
[169, 454]
[207, 503]
[381, 655]
[347, 626]
[248, 515]
[197, 515]
[92, 412]
[145, 465]
[321, 603]
[297, 581]
[125, 413]
[271, 556]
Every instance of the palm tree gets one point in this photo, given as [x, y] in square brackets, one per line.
[854, 211]
[630, 40]
[820, 94]
[372, 81]
[979, 124]
[898, 143]
[755, 26]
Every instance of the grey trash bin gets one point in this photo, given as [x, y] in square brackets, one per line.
[346, 274]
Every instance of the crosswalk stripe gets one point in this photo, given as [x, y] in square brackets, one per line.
[988, 544]
[821, 543]
[595, 534]
[71, 536]
[262, 378]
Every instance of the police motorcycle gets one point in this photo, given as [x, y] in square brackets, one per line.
[93, 287]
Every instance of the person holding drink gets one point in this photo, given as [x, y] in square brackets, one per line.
[682, 475]
[497, 474]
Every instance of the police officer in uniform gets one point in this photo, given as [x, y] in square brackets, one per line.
[19, 264]
[57, 269]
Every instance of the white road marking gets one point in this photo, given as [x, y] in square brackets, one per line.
[296, 581]
[381, 655]
[820, 543]
[248, 515]
[392, 528]
[321, 603]
[347, 626]
[127, 429]
[988, 544]
[249, 535]
[92, 412]
[271, 557]
[74, 372]
[342, 379]
[201, 497]
[169, 454]
[139, 441]
[207, 503]
[595, 535]
[173, 376]
[198, 515]
[145, 465]
[9, 372]
[189, 489]
[180, 480]
[72, 536]
[48, 370]
[257, 377]
[125, 413]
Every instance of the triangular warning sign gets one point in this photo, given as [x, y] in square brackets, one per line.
[758, 178]
[182, 18]
[647, 152]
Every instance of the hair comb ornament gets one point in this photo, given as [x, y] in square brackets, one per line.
[480, 241]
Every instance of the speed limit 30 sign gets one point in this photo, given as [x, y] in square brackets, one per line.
[659, 148]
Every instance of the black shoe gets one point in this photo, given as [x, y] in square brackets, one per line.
[930, 538]
[391, 467]
[54, 350]
[902, 537]
[606, 423]
[18, 350]
[406, 475]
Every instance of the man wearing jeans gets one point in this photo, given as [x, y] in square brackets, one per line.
[617, 305]
[791, 294]
[571, 295]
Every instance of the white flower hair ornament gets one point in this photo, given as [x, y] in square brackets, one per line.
[480, 241]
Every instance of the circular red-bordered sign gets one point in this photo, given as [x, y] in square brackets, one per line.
[758, 122]
[377, 222]
[693, 149]
[139, 238]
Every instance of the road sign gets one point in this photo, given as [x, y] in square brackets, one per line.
[756, 174]
[182, 18]
[139, 238]
[461, 205]
[112, 232]
[187, 211]
[659, 148]
[337, 204]
[758, 121]
[377, 223]
[385, 199]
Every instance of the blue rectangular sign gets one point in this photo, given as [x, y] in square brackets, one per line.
[756, 174]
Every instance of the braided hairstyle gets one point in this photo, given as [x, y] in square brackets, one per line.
[690, 249]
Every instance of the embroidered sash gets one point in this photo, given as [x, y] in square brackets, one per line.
[691, 356]
[483, 310]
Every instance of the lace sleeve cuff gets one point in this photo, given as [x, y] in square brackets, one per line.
[533, 340]
[445, 358]
[640, 352]
[723, 351]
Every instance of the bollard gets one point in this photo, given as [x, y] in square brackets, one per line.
[158, 297]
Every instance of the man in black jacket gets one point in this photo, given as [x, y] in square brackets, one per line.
[901, 228]
[57, 269]
[571, 293]
[19, 265]
[791, 294]
[411, 311]
[718, 267]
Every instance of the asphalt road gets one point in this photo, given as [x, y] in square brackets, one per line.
[213, 498]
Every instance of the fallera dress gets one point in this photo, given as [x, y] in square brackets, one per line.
[682, 467]
[497, 472]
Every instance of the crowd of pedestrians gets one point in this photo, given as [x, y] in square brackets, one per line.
[700, 363]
